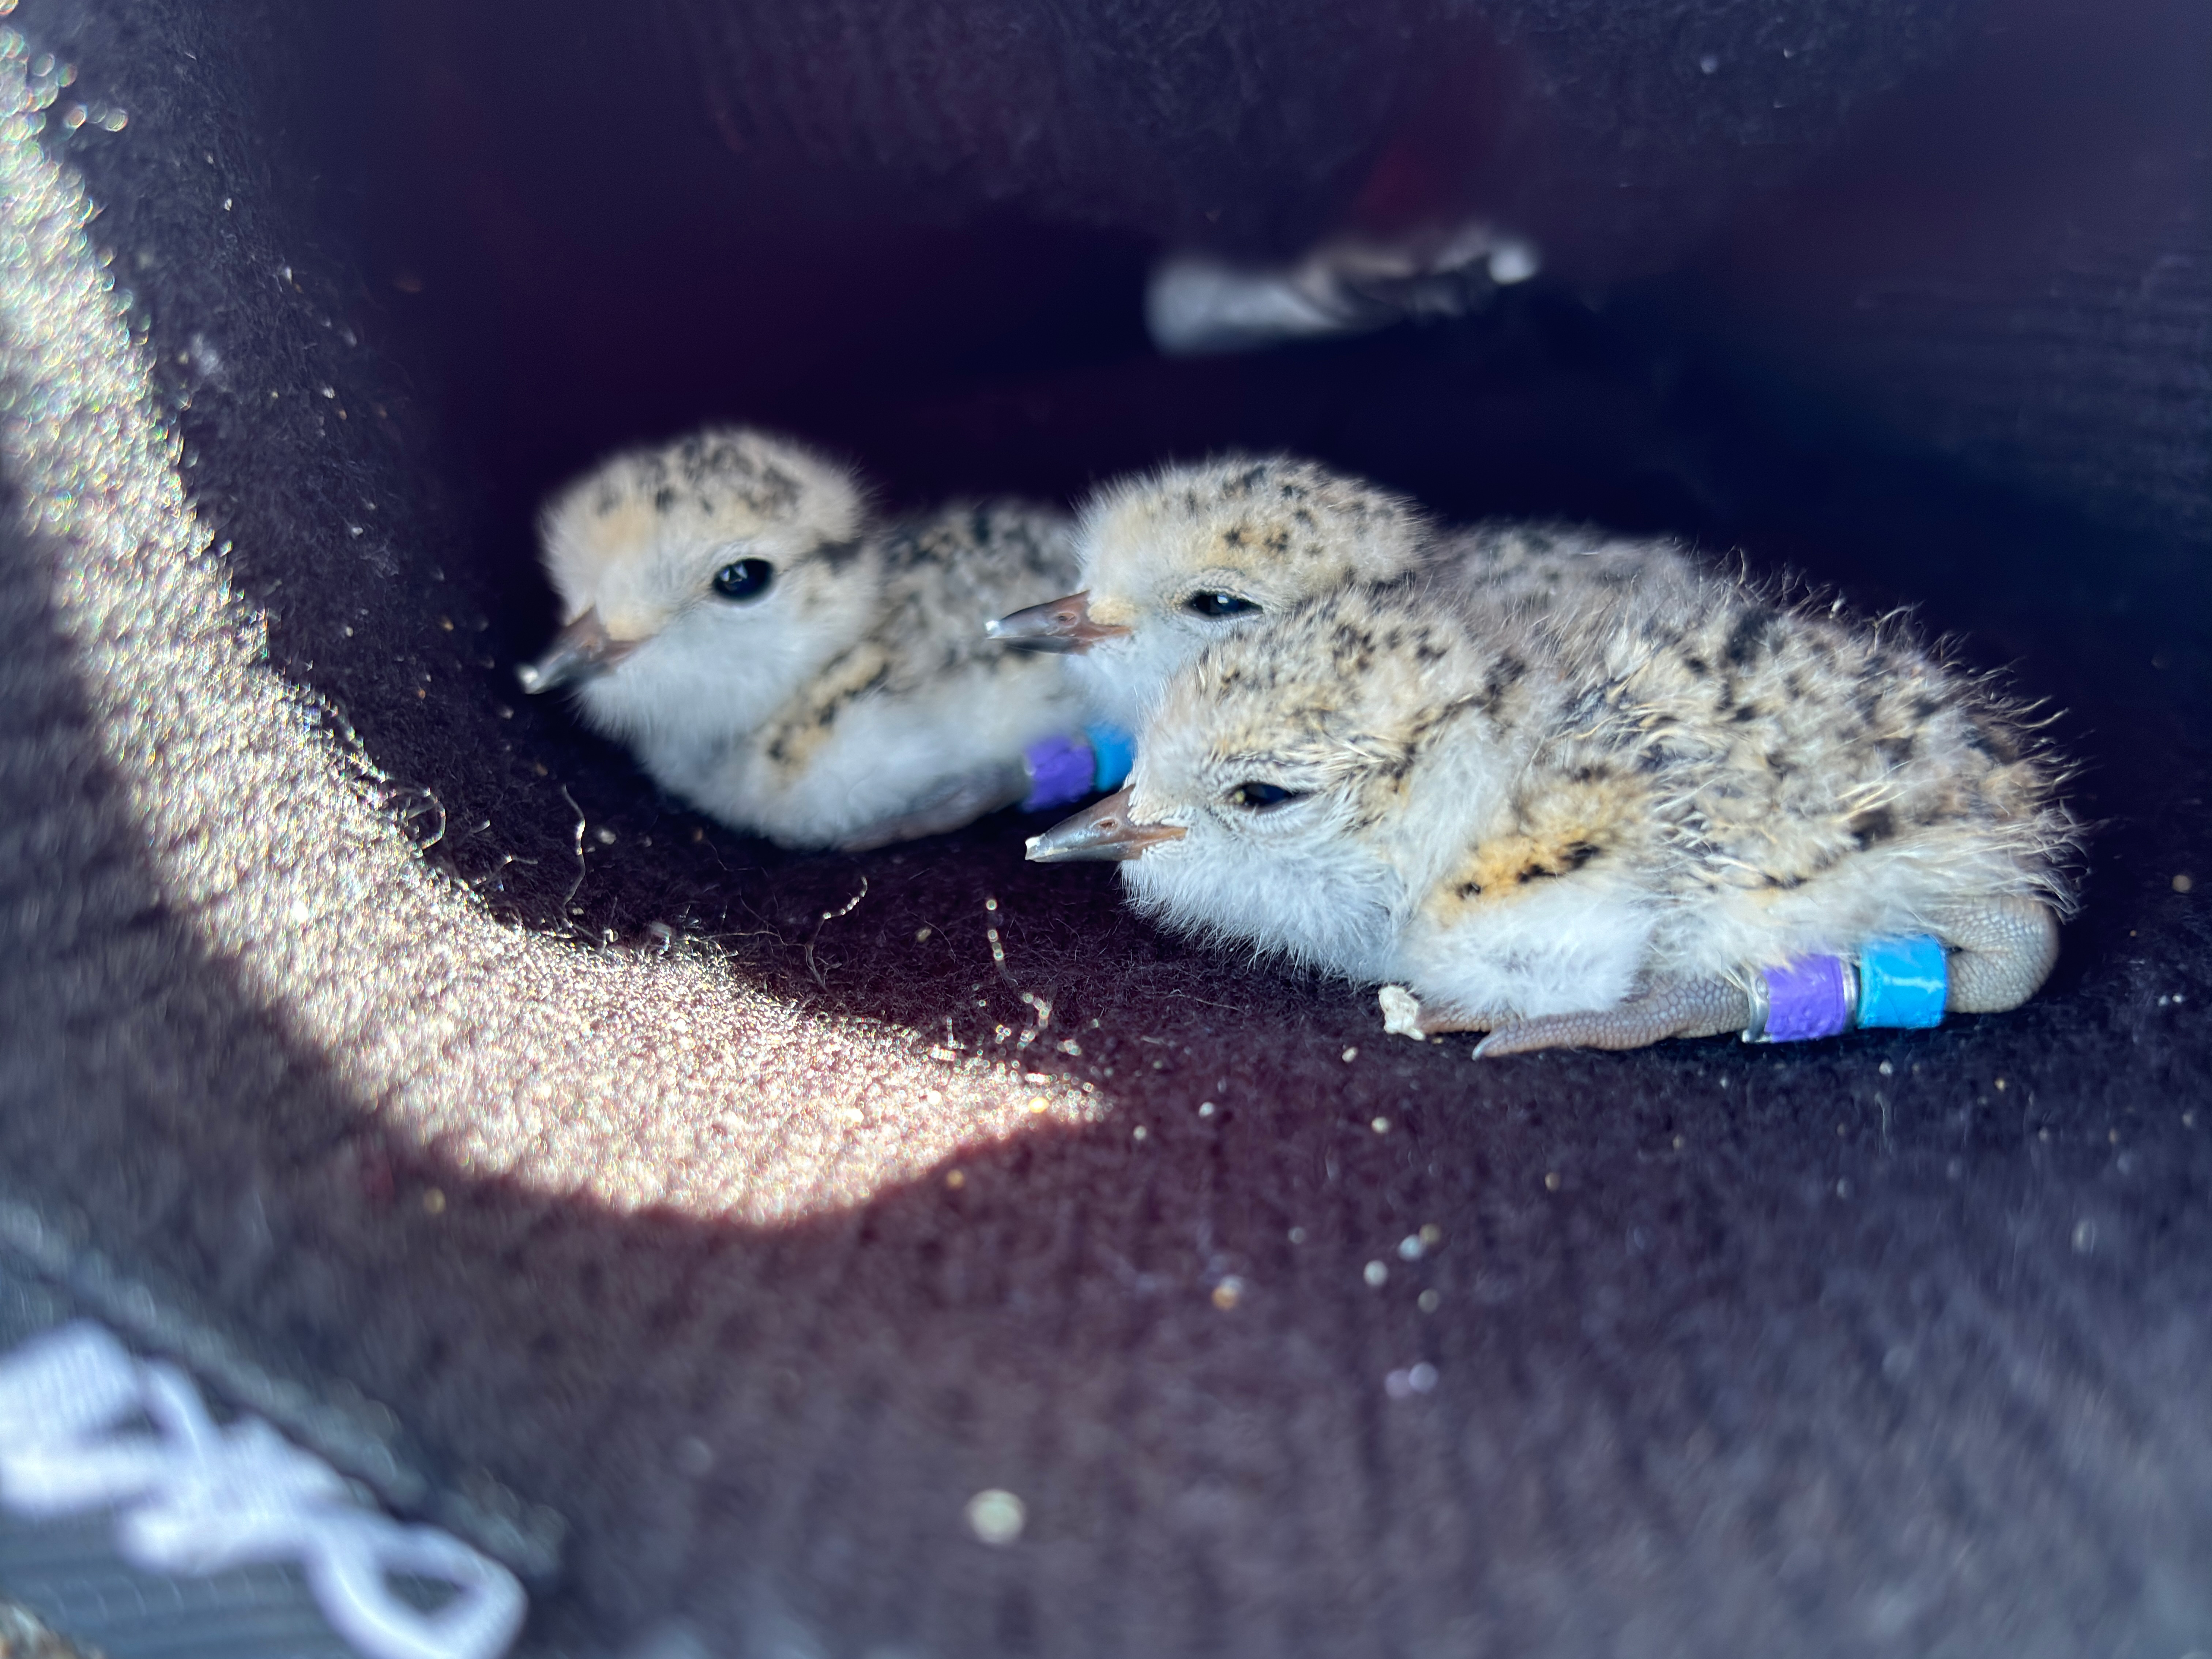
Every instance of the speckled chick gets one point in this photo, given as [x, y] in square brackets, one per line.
[1581, 829]
[1576, 574]
[775, 656]
[1176, 560]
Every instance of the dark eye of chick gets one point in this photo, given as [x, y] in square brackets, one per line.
[745, 579]
[1261, 796]
[1214, 605]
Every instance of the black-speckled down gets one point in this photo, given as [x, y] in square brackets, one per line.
[1894, 1344]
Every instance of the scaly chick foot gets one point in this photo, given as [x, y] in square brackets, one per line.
[2002, 950]
[1693, 1008]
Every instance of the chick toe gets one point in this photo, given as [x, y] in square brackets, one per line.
[2002, 950]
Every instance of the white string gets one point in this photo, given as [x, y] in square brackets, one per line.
[196, 1497]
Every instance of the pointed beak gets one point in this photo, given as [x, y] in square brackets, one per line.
[1101, 831]
[579, 651]
[1058, 625]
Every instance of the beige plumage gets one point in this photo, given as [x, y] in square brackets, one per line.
[1583, 825]
[779, 657]
[1174, 560]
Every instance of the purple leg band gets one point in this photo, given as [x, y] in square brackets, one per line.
[1806, 999]
[1059, 772]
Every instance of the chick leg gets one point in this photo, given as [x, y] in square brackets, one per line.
[2002, 950]
[1688, 1008]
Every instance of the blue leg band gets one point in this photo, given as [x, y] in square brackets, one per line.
[1903, 982]
[1115, 752]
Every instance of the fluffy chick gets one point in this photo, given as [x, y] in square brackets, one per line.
[1575, 574]
[1582, 828]
[775, 657]
[1176, 560]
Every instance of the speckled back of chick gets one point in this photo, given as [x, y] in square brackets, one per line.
[783, 660]
[1593, 809]
[1177, 560]
[1818, 779]
[1574, 573]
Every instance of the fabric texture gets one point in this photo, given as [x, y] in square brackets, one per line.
[702, 1227]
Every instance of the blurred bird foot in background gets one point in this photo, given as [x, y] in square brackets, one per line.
[1197, 304]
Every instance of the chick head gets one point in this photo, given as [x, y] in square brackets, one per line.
[1176, 560]
[1297, 784]
[702, 579]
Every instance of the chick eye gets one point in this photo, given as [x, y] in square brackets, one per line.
[745, 579]
[1217, 605]
[1261, 796]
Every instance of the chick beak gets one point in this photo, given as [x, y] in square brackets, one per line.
[1102, 831]
[1058, 625]
[579, 651]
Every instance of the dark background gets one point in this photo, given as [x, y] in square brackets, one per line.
[1796, 1356]
[1910, 299]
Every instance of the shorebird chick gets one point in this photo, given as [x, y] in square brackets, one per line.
[776, 658]
[1176, 560]
[1568, 831]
